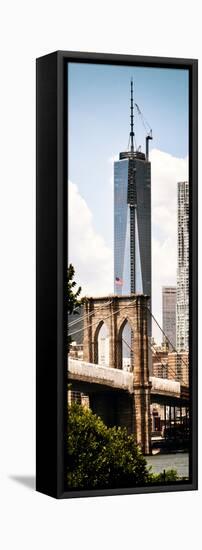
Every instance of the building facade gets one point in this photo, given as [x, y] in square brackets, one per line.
[132, 224]
[178, 367]
[160, 361]
[169, 294]
[182, 312]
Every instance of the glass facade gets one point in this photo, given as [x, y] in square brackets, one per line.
[132, 225]
[122, 271]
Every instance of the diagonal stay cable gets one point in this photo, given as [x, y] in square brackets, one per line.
[92, 313]
[121, 309]
[162, 364]
[174, 349]
[104, 318]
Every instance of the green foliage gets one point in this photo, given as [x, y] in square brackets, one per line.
[72, 294]
[167, 476]
[101, 457]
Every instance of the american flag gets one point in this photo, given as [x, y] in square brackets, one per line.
[118, 281]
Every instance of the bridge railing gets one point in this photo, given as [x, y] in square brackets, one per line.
[163, 385]
[102, 375]
[118, 378]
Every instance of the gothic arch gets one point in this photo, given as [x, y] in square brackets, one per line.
[122, 322]
[125, 343]
[102, 323]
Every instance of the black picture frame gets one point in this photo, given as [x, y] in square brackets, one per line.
[51, 238]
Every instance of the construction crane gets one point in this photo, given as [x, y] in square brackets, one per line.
[147, 129]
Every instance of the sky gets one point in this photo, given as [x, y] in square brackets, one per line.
[98, 129]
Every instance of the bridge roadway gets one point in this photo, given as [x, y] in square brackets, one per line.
[85, 375]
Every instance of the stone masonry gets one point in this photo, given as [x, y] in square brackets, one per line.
[115, 311]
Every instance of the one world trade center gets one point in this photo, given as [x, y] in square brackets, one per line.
[132, 218]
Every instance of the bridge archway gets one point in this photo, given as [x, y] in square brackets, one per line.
[101, 344]
[125, 346]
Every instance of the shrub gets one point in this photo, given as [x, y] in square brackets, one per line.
[99, 457]
[167, 476]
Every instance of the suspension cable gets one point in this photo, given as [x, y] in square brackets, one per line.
[162, 364]
[92, 313]
[174, 349]
[111, 314]
[127, 307]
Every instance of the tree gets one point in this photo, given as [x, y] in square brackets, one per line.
[72, 294]
[101, 457]
[167, 476]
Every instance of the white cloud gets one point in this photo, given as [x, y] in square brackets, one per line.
[92, 259]
[166, 172]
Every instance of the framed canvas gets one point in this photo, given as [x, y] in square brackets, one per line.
[116, 373]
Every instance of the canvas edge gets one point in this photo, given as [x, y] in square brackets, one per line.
[62, 59]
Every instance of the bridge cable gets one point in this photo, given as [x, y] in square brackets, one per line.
[104, 318]
[92, 313]
[75, 321]
[127, 307]
[156, 352]
[174, 349]
[162, 364]
[171, 370]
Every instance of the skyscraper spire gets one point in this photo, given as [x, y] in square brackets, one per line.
[131, 118]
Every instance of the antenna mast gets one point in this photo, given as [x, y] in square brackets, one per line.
[131, 118]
